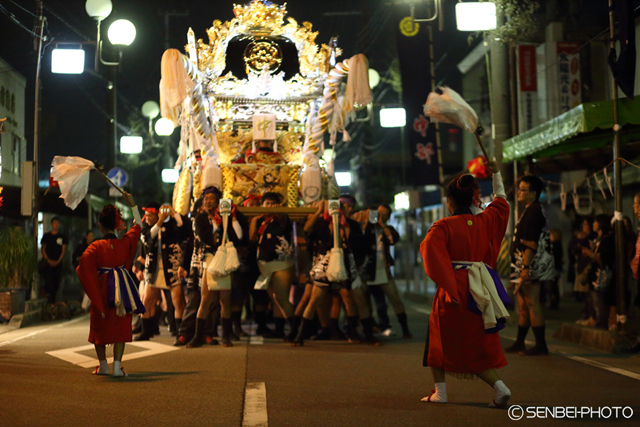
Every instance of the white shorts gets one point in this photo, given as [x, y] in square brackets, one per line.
[267, 268]
[214, 282]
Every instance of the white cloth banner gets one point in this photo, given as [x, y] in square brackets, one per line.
[72, 174]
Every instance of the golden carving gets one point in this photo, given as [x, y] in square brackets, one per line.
[262, 55]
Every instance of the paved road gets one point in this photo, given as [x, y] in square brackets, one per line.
[270, 383]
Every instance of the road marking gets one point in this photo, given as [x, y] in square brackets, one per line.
[254, 340]
[31, 334]
[600, 365]
[72, 355]
[595, 364]
[422, 310]
[255, 406]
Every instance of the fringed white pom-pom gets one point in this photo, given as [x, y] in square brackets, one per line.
[233, 261]
[358, 92]
[217, 265]
[336, 270]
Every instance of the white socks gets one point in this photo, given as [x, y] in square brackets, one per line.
[502, 396]
[117, 370]
[104, 368]
[439, 395]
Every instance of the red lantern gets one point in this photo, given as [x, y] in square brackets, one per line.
[478, 168]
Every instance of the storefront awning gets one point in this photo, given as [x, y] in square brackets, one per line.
[586, 120]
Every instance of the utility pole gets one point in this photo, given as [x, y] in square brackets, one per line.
[112, 111]
[500, 118]
[36, 123]
[621, 303]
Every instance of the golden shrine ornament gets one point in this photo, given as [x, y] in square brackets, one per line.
[262, 55]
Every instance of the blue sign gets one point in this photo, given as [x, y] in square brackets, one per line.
[118, 176]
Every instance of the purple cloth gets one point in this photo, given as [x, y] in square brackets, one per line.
[124, 280]
[502, 293]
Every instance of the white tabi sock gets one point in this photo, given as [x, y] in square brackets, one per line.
[439, 395]
[104, 367]
[117, 371]
[502, 396]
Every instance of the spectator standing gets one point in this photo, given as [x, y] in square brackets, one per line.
[54, 245]
[529, 273]
[634, 265]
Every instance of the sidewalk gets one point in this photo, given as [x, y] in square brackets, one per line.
[568, 313]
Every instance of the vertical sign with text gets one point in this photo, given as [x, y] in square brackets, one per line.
[528, 116]
[569, 82]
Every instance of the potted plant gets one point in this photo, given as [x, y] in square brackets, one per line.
[18, 265]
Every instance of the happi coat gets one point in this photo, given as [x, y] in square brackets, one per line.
[107, 253]
[457, 341]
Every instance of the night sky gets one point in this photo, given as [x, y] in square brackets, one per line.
[74, 117]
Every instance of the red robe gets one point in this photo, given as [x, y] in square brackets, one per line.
[107, 253]
[457, 341]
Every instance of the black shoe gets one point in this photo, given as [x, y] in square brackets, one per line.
[324, 335]
[338, 335]
[180, 341]
[371, 340]
[195, 342]
[211, 341]
[516, 347]
[354, 337]
[407, 336]
[142, 337]
[536, 350]
[239, 332]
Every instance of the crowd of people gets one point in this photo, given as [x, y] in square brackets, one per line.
[281, 273]
[303, 274]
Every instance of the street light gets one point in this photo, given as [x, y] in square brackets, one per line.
[476, 16]
[164, 127]
[343, 179]
[393, 117]
[374, 78]
[122, 32]
[67, 61]
[170, 176]
[98, 9]
[150, 110]
[131, 144]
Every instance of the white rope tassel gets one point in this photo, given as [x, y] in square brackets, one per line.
[233, 261]
[358, 93]
[218, 264]
[336, 270]
[563, 198]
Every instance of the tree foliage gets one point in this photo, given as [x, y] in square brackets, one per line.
[519, 22]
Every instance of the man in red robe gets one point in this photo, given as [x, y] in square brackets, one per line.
[457, 342]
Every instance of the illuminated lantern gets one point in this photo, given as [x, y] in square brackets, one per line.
[478, 168]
